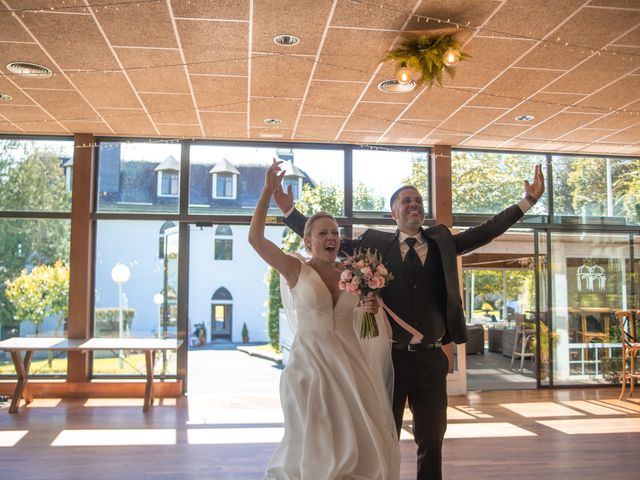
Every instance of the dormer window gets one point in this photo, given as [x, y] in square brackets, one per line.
[295, 183]
[292, 178]
[168, 177]
[224, 180]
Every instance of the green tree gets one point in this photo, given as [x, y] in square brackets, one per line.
[419, 177]
[488, 182]
[627, 191]
[31, 179]
[41, 293]
[365, 200]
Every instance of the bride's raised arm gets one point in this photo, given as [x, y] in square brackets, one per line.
[286, 265]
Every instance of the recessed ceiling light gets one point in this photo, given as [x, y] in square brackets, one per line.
[525, 118]
[272, 121]
[28, 69]
[393, 86]
[286, 40]
[5, 98]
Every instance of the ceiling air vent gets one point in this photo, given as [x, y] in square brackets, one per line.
[5, 98]
[392, 86]
[27, 69]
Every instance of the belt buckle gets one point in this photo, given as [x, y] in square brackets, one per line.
[413, 347]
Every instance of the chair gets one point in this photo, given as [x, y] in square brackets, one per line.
[630, 348]
[522, 341]
[602, 317]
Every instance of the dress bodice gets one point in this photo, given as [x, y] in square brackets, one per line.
[314, 303]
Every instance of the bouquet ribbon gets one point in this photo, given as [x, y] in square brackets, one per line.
[417, 336]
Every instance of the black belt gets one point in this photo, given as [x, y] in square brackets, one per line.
[417, 347]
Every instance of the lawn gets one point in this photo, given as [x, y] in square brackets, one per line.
[133, 365]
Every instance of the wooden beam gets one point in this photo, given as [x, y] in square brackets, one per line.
[441, 197]
[81, 258]
[96, 388]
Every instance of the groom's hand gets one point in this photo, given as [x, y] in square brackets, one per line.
[284, 201]
[533, 191]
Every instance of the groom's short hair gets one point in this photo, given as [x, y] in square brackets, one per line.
[394, 195]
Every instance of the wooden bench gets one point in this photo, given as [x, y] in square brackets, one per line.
[28, 345]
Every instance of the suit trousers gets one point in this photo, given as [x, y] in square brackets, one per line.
[421, 378]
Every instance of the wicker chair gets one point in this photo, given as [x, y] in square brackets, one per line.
[630, 348]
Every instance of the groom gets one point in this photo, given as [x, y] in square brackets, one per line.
[424, 293]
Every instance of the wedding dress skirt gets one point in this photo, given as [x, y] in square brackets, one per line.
[335, 397]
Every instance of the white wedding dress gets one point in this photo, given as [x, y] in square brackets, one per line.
[334, 392]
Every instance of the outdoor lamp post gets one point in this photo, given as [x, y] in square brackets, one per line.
[158, 299]
[120, 274]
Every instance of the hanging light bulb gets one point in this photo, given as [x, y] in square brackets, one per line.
[403, 74]
[451, 57]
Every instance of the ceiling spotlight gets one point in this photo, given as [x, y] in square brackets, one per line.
[451, 57]
[525, 118]
[403, 74]
[5, 98]
[286, 40]
[393, 86]
[272, 121]
[28, 69]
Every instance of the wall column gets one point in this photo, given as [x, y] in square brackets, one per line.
[441, 195]
[81, 258]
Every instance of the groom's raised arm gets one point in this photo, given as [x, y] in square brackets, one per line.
[482, 234]
[296, 220]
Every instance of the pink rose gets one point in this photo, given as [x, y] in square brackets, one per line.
[346, 276]
[381, 270]
[375, 283]
[360, 264]
[366, 273]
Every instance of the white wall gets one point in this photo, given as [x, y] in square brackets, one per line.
[136, 245]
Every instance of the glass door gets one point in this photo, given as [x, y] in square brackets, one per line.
[591, 276]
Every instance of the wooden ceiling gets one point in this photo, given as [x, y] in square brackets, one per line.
[211, 69]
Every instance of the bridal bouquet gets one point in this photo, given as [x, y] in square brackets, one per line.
[363, 273]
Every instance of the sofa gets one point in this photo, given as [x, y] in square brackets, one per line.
[475, 339]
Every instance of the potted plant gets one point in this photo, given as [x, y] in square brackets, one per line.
[245, 333]
[544, 347]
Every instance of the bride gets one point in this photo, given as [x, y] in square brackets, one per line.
[338, 422]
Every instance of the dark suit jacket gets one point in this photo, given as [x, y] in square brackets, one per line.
[449, 245]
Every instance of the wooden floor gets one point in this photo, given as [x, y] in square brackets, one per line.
[563, 434]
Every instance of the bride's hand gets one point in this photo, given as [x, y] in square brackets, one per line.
[370, 305]
[273, 177]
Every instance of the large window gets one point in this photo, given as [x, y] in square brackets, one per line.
[35, 208]
[488, 182]
[135, 291]
[228, 179]
[138, 177]
[588, 188]
[377, 174]
[591, 279]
